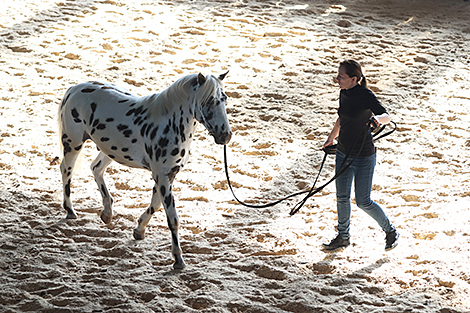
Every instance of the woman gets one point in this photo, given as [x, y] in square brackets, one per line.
[358, 108]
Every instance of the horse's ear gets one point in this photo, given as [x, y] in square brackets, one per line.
[201, 79]
[222, 76]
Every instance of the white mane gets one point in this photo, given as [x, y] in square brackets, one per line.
[161, 104]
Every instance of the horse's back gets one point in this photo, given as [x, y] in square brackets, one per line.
[78, 95]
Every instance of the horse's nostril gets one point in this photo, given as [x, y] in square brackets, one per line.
[228, 137]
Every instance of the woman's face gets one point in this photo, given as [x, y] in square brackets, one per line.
[345, 81]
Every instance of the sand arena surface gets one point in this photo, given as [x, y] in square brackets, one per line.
[282, 57]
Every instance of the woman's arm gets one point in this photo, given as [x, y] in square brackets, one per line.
[333, 134]
[383, 118]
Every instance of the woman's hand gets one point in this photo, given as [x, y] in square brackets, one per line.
[334, 133]
[329, 141]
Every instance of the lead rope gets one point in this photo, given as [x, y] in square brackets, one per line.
[312, 191]
[341, 170]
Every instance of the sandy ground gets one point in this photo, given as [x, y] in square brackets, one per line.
[282, 57]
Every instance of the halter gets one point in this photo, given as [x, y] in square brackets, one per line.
[312, 191]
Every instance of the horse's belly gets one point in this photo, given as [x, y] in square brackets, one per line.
[123, 151]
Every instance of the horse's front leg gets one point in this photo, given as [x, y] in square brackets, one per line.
[139, 231]
[165, 188]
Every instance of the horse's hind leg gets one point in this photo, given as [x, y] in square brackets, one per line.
[71, 151]
[139, 231]
[98, 167]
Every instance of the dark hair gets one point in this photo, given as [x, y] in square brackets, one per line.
[354, 69]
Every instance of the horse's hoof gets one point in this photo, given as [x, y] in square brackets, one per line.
[71, 216]
[106, 218]
[180, 266]
[138, 235]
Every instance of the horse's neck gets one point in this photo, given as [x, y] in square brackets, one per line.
[170, 101]
[174, 111]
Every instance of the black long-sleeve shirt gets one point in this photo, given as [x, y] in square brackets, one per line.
[356, 106]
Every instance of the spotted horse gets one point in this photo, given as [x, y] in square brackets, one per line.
[152, 132]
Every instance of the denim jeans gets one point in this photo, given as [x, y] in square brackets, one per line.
[362, 171]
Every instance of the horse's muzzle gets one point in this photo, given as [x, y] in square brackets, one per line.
[223, 139]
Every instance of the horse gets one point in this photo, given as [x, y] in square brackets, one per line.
[151, 132]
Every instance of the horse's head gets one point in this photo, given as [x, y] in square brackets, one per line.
[210, 107]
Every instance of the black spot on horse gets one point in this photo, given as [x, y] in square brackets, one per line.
[142, 130]
[88, 90]
[167, 129]
[101, 126]
[77, 148]
[175, 151]
[93, 106]
[103, 190]
[114, 148]
[137, 120]
[66, 146]
[109, 120]
[127, 133]
[67, 188]
[138, 110]
[163, 142]
[125, 149]
[123, 101]
[122, 127]
[150, 153]
[158, 154]
[75, 113]
[104, 139]
[154, 133]
[209, 115]
[168, 201]
[183, 152]
[134, 140]
[162, 191]
[148, 129]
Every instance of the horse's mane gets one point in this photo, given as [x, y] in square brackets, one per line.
[162, 103]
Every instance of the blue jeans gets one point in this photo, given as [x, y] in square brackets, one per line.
[362, 171]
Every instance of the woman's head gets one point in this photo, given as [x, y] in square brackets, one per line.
[350, 74]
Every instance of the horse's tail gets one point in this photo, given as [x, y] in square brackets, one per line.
[60, 117]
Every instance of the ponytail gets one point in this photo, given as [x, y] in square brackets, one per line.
[363, 81]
